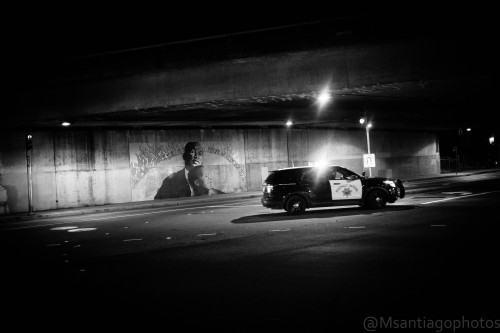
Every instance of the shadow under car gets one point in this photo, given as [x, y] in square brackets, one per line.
[318, 213]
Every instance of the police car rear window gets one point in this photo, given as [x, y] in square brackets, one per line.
[284, 177]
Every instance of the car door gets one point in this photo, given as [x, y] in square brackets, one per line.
[345, 185]
[316, 181]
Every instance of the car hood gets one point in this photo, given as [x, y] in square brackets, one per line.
[373, 180]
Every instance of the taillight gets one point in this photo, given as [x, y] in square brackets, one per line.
[267, 188]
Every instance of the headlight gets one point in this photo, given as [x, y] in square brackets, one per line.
[390, 183]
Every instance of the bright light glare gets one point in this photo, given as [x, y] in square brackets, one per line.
[369, 125]
[65, 123]
[323, 98]
[362, 120]
[468, 129]
[492, 139]
[321, 163]
[289, 123]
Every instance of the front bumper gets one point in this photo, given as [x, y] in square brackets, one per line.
[394, 193]
[400, 189]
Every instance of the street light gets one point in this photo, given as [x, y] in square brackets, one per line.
[29, 155]
[367, 127]
[323, 98]
[288, 124]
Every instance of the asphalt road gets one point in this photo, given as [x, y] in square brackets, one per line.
[431, 256]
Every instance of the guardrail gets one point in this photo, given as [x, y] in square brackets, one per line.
[449, 165]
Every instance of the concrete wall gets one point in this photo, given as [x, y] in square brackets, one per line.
[13, 171]
[76, 168]
[69, 169]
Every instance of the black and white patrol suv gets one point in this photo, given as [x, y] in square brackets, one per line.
[298, 188]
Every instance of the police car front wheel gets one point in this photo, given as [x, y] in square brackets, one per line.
[376, 199]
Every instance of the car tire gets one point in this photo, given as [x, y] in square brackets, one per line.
[376, 199]
[295, 205]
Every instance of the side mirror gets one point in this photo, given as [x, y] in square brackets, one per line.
[363, 174]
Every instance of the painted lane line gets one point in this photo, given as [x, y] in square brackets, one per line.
[137, 214]
[132, 239]
[232, 206]
[82, 229]
[360, 227]
[278, 230]
[30, 227]
[53, 244]
[201, 235]
[460, 197]
[64, 228]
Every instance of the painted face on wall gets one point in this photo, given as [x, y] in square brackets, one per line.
[193, 154]
[196, 156]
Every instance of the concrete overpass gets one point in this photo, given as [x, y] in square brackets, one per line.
[403, 70]
[131, 111]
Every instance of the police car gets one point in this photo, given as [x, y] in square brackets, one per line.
[296, 189]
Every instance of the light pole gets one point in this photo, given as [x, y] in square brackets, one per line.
[289, 124]
[491, 155]
[29, 155]
[367, 127]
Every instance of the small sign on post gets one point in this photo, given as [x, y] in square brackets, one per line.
[369, 160]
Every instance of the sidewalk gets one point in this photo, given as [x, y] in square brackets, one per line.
[451, 174]
[176, 202]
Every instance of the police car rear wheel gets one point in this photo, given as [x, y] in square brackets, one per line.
[296, 205]
[376, 199]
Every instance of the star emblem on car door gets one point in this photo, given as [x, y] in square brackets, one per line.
[346, 191]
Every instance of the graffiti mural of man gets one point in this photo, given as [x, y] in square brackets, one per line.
[176, 185]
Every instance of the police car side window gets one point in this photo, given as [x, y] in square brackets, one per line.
[316, 175]
[347, 174]
[310, 176]
[334, 175]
